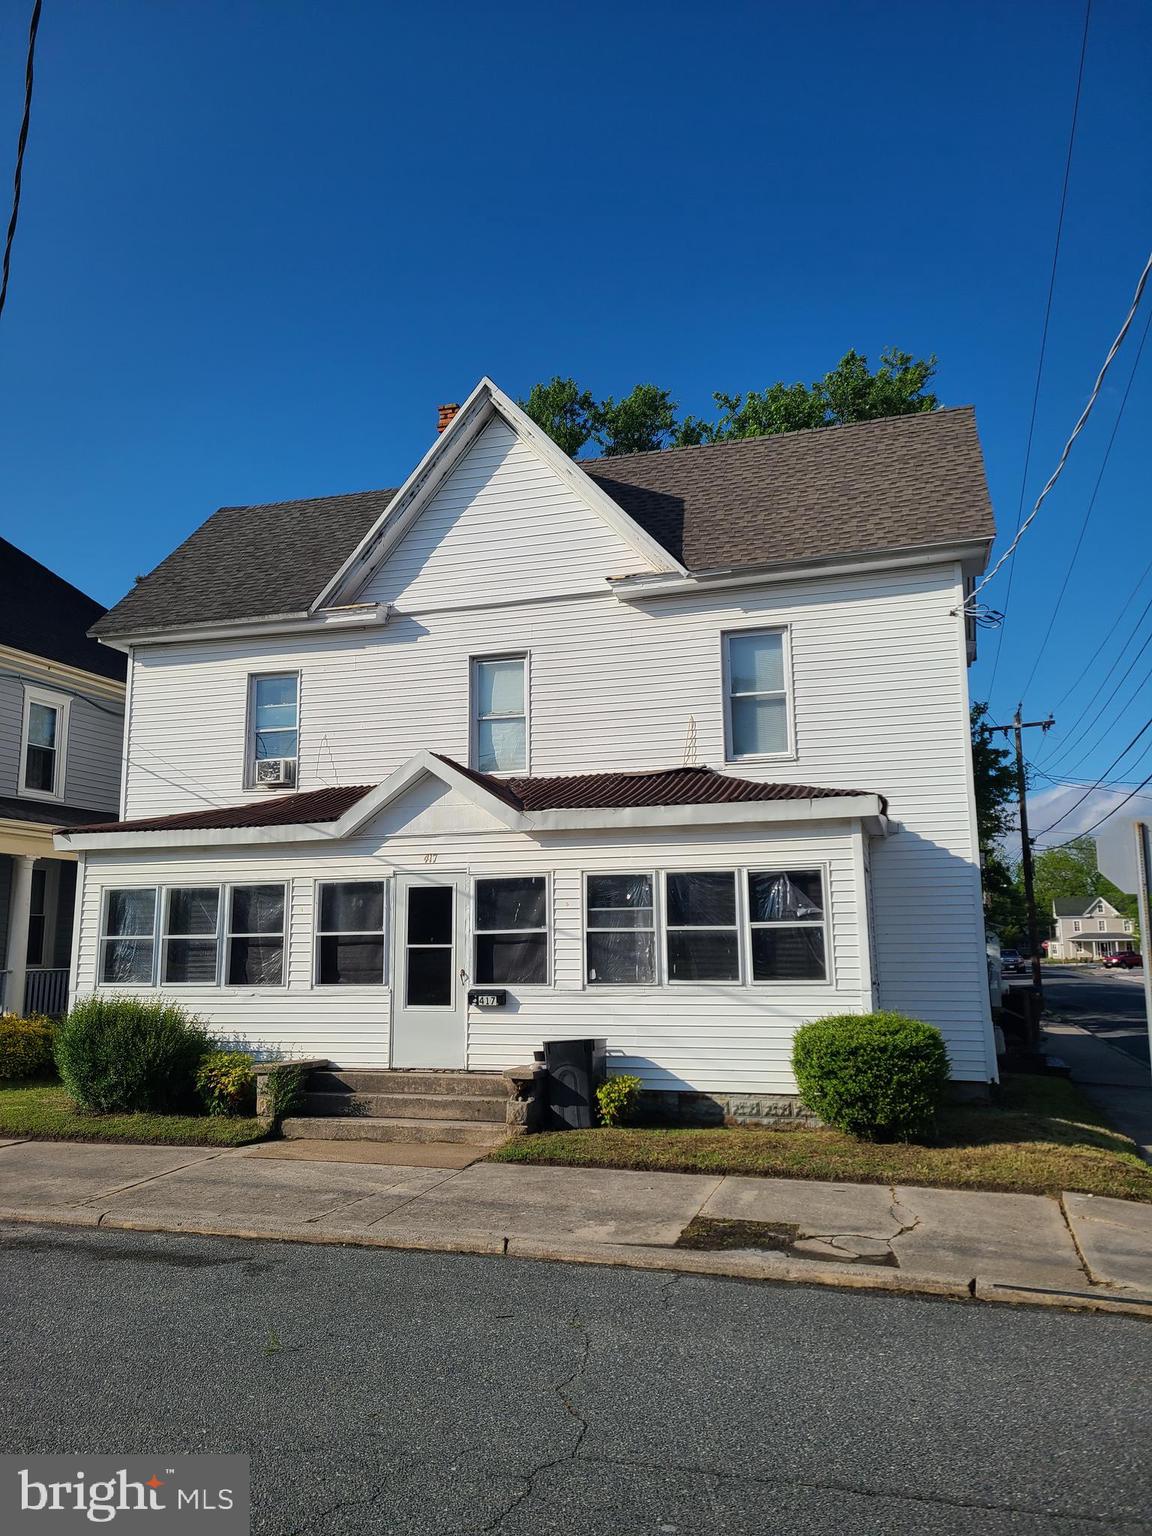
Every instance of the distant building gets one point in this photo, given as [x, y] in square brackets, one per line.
[61, 731]
[1089, 928]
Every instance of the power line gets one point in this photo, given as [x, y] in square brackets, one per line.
[1088, 665]
[1088, 831]
[21, 145]
[1075, 742]
[1044, 332]
[1088, 508]
[1099, 782]
[966, 606]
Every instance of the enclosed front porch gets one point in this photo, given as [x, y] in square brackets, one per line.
[37, 902]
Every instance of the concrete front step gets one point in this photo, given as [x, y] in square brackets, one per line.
[406, 1106]
[383, 1128]
[367, 1080]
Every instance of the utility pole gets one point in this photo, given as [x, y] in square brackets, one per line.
[1017, 728]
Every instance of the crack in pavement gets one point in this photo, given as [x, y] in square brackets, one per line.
[561, 1389]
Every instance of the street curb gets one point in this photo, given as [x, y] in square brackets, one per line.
[722, 1265]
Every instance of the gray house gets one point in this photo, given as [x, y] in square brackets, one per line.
[61, 732]
[1088, 928]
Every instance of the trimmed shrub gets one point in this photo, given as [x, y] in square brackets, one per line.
[25, 1046]
[226, 1083]
[880, 1076]
[131, 1054]
[618, 1098]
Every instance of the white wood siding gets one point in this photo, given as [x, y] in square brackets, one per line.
[707, 1036]
[502, 522]
[880, 703]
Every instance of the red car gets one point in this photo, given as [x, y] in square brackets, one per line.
[1123, 959]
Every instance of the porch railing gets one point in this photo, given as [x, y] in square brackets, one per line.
[46, 992]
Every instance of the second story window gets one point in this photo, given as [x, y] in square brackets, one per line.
[273, 713]
[42, 760]
[756, 693]
[500, 714]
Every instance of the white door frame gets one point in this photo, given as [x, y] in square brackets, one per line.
[431, 1036]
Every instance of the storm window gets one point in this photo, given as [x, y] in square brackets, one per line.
[511, 931]
[787, 925]
[620, 933]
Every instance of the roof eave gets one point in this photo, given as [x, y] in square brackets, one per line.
[971, 554]
[350, 616]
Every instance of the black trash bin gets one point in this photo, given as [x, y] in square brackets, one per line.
[575, 1068]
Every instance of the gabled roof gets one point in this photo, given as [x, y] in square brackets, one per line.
[1081, 906]
[525, 796]
[45, 615]
[902, 483]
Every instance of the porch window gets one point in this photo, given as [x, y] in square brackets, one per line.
[274, 715]
[621, 930]
[511, 927]
[756, 704]
[128, 937]
[191, 936]
[700, 923]
[500, 715]
[350, 934]
[786, 921]
[45, 722]
[256, 936]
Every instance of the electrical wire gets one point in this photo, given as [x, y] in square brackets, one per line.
[1075, 742]
[21, 145]
[1044, 332]
[1090, 663]
[1088, 509]
[1075, 433]
[1099, 782]
[1088, 831]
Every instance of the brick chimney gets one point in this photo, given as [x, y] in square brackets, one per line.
[446, 413]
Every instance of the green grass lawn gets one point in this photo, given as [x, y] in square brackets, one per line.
[44, 1110]
[1041, 1136]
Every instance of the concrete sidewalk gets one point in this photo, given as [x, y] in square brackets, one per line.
[1117, 1082]
[1080, 1251]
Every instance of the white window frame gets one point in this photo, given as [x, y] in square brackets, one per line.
[474, 662]
[189, 986]
[250, 726]
[800, 866]
[339, 987]
[549, 929]
[738, 923]
[60, 702]
[105, 937]
[657, 891]
[230, 933]
[787, 692]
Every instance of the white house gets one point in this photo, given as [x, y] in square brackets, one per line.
[61, 727]
[1088, 928]
[670, 749]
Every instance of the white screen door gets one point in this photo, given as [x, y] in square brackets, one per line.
[430, 1001]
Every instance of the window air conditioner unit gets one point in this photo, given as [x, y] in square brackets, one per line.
[275, 772]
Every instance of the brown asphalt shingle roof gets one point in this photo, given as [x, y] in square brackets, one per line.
[901, 482]
[582, 791]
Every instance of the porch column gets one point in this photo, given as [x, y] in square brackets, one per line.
[19, 907]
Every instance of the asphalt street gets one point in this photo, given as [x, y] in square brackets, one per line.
[1107, 1003]
[381, 1391]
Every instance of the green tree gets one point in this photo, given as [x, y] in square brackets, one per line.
[565, 411]
[646, 420]
[640, 423]
[1071, 873]
[849, 392]
[995, 783]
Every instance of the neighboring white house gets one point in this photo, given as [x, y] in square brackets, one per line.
[669, 748]
[1089, 929]
[61, 728]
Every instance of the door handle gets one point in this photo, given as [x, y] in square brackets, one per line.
[463, 977]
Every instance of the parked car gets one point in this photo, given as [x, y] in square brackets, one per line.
[1012, 961]
[1123, 959]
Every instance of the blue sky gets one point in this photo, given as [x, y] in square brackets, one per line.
[261, 240]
